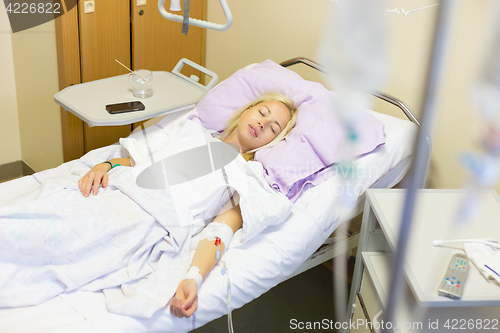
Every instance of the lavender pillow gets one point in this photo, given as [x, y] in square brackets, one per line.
[316, 140]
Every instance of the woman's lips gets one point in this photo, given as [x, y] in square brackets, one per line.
[252, 129]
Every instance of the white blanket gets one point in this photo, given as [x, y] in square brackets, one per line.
[132, 242]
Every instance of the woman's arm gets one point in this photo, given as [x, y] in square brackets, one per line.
[99, 175]
[185, 301]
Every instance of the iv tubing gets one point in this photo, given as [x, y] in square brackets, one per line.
[493, 244]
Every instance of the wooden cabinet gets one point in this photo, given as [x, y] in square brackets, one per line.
[137, 36]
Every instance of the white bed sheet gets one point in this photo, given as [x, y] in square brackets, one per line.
[254, 267]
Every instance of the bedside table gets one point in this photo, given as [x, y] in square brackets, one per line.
[172, 92]
[420, 308]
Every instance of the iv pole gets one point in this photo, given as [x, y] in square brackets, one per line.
[418, 169]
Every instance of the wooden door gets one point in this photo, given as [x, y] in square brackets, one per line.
[104, 37]
[88, 45]
[158, 44]
[68, 63]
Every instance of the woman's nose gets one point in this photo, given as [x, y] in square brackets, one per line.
[261, 125]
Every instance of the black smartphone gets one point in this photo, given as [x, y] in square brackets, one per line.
[125, 107]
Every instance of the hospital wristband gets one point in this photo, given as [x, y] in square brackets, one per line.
[194, 274]
[111, 163]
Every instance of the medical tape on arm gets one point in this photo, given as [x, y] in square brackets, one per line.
[213, 231]
[194, 274]
[216, 230]
[221, 233]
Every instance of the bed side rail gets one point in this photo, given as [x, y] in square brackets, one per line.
[390, 99]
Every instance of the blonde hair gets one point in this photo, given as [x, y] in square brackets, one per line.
[232, 123]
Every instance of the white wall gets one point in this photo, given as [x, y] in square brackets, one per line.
[35, 65]
[10, 139]
[262, 29]
[28, 114]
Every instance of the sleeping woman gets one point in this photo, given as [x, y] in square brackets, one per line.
[119, 254]
[262, 123]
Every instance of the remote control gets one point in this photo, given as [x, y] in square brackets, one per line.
[453, 281]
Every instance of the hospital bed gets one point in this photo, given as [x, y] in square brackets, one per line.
[346, 238]
[278, 253]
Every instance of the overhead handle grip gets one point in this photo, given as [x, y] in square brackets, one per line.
[199, 23]
[177, 71]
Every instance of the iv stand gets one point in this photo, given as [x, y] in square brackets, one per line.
[419, 162]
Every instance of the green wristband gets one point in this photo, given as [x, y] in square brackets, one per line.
[112, 165]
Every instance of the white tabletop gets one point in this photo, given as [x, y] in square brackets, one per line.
[435, 218]
[87, 101]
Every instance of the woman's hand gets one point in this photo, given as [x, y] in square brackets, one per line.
[98, 175]
[185, 301]
[95, 177]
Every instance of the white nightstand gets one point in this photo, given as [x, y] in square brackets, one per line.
[420, 308]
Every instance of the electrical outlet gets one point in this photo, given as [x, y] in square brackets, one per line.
[88, 6]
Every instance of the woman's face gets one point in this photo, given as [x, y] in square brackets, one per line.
[260, 124]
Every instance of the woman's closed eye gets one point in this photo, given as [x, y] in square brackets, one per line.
[272, 127]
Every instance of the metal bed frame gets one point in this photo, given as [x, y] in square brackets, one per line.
[385, 97]
[335, 246]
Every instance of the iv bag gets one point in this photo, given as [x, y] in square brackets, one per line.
[488, 88]
[353, 47]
